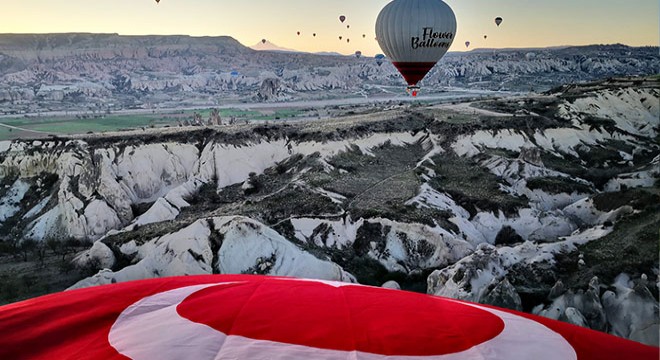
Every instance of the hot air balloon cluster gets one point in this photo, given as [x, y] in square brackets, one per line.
[498, 22]
[342, 20]
[260, 318]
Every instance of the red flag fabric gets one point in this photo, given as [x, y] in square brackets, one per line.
[256, 317]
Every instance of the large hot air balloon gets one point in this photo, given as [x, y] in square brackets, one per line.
[467, 44]
[379, 59]
[259, 318]
[498, 21]
[358, 54]
[415, 34]
[342, 18]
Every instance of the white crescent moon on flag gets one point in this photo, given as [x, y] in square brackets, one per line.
[152, 329]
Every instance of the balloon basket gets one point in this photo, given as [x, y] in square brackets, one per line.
[413, 90]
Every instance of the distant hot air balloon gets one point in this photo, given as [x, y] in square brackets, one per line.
[348, 26]
[358, 54]
[379, 59]
[314, 34]
[348, 40]
[485, 36]
[157, 1]
[364, 36]
[342, 18]
[467, 44]
[340, 37]
[415, 34]
[498, 20]
[298, 33]
[268, 317]
[263, 41]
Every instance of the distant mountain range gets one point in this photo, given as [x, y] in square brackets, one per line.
[269, 46]
[108, 71]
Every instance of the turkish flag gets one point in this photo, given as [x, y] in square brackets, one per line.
[256, 317]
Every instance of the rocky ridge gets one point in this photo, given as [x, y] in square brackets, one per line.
[108, 72]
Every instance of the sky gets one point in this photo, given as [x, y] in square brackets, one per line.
[527, 23]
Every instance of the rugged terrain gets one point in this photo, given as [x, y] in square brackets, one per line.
[546, 203]
[102, 73]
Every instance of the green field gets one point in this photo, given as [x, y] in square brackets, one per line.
[107, 123]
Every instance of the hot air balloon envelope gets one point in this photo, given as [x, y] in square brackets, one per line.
[415, 34]
[342, 18]
[255, 317]
[379, 59]
[498, 21]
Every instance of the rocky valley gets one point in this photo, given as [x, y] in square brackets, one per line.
[545, 203]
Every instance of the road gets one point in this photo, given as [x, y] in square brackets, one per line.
[457, 94]
[22, 129]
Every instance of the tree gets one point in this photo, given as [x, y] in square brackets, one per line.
[26, 247]
[508, 236]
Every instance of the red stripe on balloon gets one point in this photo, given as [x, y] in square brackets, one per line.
[413, 72]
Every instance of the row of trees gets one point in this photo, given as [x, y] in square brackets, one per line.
[32, 250]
